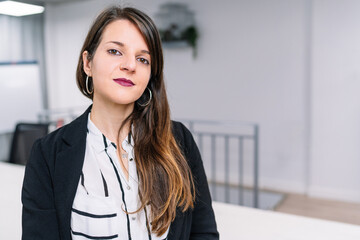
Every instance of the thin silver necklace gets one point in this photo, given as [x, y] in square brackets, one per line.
[125, 156]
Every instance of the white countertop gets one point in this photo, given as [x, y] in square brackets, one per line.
[234, 222]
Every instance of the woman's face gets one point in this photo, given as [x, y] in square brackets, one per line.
[120, 68]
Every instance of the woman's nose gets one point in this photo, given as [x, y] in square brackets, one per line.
[129, 64]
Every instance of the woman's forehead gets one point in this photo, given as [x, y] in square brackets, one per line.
[125, 32]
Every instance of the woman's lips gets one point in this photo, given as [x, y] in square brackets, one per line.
[124, 82]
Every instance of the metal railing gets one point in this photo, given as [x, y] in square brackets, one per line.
[223, 147]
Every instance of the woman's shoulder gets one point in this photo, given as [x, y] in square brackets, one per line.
[52, 142]
[186, 142]
[181, 132]
[54, 136]
[65, 133]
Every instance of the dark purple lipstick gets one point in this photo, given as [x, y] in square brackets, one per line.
[124, 82]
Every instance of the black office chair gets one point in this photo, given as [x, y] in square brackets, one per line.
[24, 137]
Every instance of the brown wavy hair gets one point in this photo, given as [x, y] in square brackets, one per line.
[165, 180]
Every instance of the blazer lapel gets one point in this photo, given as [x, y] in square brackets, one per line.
[68, 166]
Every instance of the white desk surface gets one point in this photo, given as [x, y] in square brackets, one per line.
[11, 178]
[234, 222]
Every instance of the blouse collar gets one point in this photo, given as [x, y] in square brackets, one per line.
[100, 142]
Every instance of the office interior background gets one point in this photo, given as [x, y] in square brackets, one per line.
[292, 67]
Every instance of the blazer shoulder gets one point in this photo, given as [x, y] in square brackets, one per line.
[181, 133]
[53, 137]
[66, 134]
[186, 142]
[52, 142]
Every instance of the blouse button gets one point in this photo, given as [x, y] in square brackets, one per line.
[128, 187]
[133, 218]
[131, 159]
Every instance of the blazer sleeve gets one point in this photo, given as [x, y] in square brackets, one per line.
[203, 224]
[39, 219]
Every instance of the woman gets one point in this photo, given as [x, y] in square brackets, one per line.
[122, 170]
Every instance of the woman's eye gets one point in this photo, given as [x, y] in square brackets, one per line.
[143, 60]
[114, 52]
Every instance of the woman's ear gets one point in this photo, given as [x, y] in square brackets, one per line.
[86, 63]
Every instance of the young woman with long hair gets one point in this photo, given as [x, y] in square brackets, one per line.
[123, 169]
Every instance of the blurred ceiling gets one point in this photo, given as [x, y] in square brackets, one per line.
[58, 1]
[43, 2]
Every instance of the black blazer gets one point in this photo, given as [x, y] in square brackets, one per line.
[53, 172]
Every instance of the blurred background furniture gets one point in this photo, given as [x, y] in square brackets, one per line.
[24, 137]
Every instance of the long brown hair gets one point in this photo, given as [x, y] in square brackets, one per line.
[165, 180]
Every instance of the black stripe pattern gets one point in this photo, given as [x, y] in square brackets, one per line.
[106, 191]
[94, 237]
[86, 214]
[83, 182]
[110, 235]
[121, 187]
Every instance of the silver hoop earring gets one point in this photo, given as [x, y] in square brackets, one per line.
[87, 86]
[148, 102]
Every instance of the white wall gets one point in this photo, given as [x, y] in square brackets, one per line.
[21, 38]
[250, 67]
[65, 29]
[254, 64]
[335, 165]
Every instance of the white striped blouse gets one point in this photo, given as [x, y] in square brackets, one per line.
[104, 194]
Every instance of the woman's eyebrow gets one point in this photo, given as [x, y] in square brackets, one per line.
[117, 43]
[122, 45]
[145, 51]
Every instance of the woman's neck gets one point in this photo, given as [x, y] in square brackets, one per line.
[109, 117]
